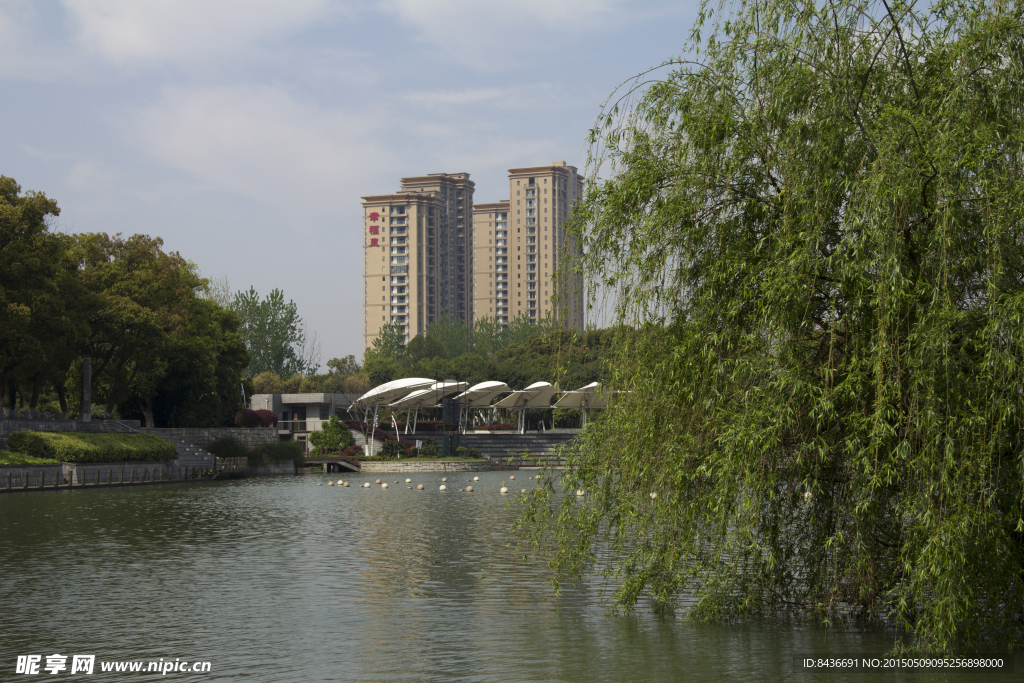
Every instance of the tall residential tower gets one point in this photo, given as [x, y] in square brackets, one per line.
[429, 252]
[422, 237]
[522, 253]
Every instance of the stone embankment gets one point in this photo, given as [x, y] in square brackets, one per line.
[425, 466]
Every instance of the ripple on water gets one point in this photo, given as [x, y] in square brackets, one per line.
[275, 579]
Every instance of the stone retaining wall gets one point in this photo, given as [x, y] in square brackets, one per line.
[33, 472]
[7, 426]
[202, 437]
[85, 472]
[426, 466]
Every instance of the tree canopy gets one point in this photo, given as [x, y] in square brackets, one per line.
[162, 350]
[815, 227]
[274, 334]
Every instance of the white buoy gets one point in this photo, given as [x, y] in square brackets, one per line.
[366, 485]
[330, 483]
[384, 485]
[476, 478]
[408, 481]
[444, 478]
[341, 482]
[513, 477]
[319, 484]
[579, 492]
[469, 489]
[443, 487]
[377, 482]
[503, 490]
[345, 484]
[419, 487]
[653, 495]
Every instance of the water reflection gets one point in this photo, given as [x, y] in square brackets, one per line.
[277, 579]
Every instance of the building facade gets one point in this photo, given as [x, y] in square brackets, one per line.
[429, 252]
[417, 246]
[522, 254]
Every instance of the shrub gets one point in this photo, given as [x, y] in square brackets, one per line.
[429, 449]
[278, 452]
[228, 447]
[17, 459]
[392, 449]
[75, 447]
[332, 436]
[268, 418]
[498, 426]
[247, 418]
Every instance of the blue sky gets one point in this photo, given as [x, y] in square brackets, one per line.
[244, 132]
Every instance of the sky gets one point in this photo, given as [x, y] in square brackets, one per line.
[244, 132]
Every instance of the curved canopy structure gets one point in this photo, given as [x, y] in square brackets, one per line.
[583, 398]
[432, 395]
[481, 395]
[537, 395]
[390, 391]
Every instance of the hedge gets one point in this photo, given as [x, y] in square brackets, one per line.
[75, 447]
[17, 459]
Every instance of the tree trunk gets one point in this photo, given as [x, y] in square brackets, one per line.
[62, 395]
[37, 387]
[146, 406]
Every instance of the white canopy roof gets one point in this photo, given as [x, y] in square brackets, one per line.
[430, 396]
[389, 391]
[537, 395]
[480, 395]
[583, 398]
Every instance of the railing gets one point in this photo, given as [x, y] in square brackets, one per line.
[292, 425]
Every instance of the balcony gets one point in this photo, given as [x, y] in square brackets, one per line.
[399, 300]
[399, 310]
[530, 258]
[399, 260]
[530, 267]
[400, 220]
[531, 193]
[531, 221]
[400, 231]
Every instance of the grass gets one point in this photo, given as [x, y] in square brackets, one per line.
[88, 447]
[9, 459]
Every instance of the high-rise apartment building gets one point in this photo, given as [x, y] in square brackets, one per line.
[417, 246]
[428, 251]
[521, 250]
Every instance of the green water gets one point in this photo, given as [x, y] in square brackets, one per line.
[278, 579]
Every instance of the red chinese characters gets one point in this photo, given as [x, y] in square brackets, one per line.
[374, 229]
[374, 216]
[373, 242]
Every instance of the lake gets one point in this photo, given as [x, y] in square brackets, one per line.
[278, 579]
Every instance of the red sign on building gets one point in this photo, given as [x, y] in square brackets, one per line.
[374, 229]
[373, 242]
[374, 216]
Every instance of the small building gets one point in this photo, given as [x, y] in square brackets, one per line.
[299, 415]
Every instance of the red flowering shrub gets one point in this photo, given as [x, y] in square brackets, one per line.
[247, 418]
[268, 418]
[498, 426]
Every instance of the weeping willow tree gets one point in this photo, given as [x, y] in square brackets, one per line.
[816, 227]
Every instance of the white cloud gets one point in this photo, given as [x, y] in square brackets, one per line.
[494, 35]
[92, 178]
[261, 143]
[126, 32]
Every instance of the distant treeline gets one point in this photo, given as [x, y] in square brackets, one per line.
[161, 349]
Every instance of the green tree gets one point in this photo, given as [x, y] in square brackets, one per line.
[273, 334]
[332, 436]
[815, 228]
[38, 291]
[422, 348]
[454, 335]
